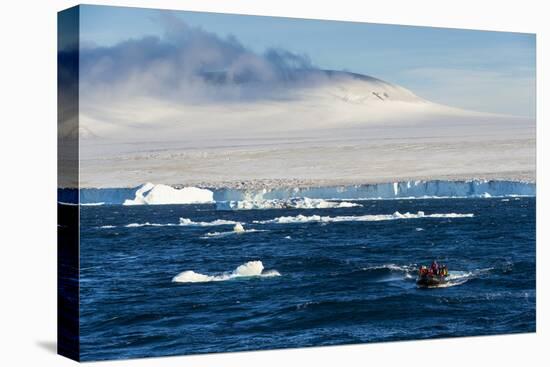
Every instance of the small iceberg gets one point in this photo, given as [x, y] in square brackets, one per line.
[248, 269]
[238, 228]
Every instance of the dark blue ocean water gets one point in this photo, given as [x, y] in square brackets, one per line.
[340, 282]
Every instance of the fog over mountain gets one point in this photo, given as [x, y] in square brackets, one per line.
[192, 107]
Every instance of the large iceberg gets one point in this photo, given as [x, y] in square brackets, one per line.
[150, 194]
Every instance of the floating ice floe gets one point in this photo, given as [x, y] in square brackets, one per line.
[360, 218]
[238, 227]
[217, 222]
[293, 203]
[249, 269]
[182, 222]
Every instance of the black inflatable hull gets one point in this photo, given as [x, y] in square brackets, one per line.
[430, 280]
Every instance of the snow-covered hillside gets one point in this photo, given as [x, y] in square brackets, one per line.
[335, 127]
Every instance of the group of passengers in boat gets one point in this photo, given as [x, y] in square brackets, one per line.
[434, 269]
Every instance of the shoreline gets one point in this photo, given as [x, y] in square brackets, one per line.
[260, 191]
[273, 184]
[298, 183]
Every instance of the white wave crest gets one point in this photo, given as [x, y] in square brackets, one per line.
[393, 267]
[147, 224]
[296, 219]
[361, 218]
[217, 222]
[293, 203]
[183, 222]
[150, 194]
[92, 204]
[249, 269]
[230, 233]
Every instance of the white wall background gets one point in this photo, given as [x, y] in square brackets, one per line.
[28, 178]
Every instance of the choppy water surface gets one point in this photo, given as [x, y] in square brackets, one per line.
[177, 279]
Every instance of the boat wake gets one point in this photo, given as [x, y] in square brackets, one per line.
[390, 272]
[409, 273]
[453, 279]
[458, 277]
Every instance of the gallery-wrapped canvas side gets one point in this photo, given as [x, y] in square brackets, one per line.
[68, 340]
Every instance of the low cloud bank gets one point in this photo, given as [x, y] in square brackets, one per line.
[190, 63]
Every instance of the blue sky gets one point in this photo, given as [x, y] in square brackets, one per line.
[478, 70]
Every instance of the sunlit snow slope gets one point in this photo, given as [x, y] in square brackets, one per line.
[338, 128]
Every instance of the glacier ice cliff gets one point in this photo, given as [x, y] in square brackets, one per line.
[163, 194]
